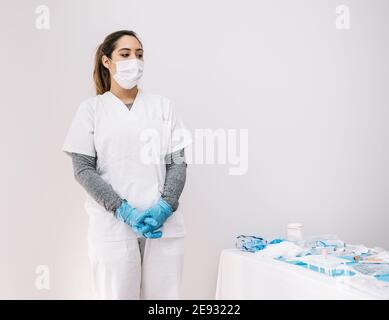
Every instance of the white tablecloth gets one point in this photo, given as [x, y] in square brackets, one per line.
[246, 275]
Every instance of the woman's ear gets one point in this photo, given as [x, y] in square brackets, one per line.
[106, 62]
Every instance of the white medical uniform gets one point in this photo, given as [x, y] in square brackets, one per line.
[103, 127]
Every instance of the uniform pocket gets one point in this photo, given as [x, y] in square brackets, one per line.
[172, 246]
[115, 251]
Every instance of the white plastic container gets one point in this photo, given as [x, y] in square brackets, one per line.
[295, 232]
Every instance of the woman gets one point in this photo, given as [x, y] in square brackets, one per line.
[136, 230]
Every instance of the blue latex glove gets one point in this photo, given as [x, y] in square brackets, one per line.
[153, 234]
[149, 223]
[131, 216]
[158, 212]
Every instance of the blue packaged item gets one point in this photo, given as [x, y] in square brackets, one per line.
[250, 243]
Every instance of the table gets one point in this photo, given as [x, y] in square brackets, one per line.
[246, 275]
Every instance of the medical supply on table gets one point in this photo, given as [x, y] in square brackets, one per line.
[316, 244]
[250, 243]
[329, 255]
[295, 232]
[329, 265]
[253, 243]
[372, 269]
[381, 257]
[368, 284]
[358, 249]
[284, 249]
[276, 241]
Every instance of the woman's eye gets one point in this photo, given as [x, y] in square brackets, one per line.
[125, 55]
[140, 56]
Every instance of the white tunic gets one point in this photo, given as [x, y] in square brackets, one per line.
[122, 141]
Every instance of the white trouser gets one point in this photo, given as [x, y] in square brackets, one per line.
[137, 268]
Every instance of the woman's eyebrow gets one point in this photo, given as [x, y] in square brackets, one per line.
[129, 49]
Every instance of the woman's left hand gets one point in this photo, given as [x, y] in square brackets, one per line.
[155, 216]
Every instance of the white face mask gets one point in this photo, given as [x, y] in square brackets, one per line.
[128, 72]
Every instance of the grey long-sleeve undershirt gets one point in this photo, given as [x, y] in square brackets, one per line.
[86, 174]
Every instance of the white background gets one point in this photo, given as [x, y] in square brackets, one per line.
[314, 99]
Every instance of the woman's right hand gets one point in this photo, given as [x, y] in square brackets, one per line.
[135, 219]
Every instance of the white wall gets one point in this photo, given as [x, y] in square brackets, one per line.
[314, 99]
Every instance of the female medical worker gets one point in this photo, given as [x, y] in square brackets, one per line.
[117, 140]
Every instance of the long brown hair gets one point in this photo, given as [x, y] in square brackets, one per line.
[101, 75]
